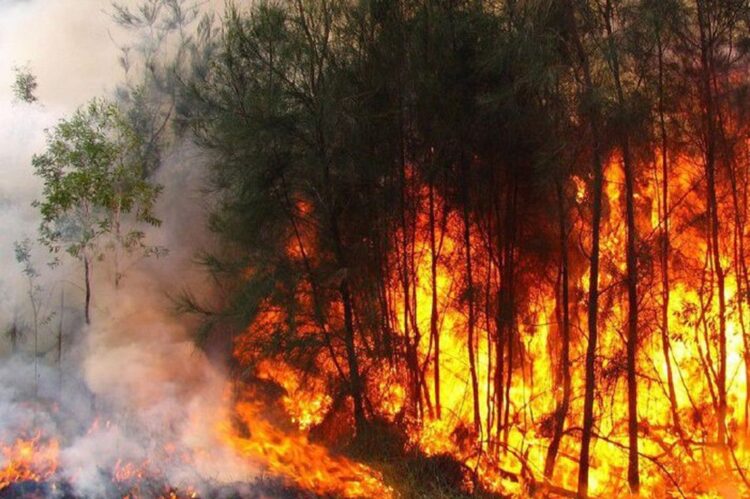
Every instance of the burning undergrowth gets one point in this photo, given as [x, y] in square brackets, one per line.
[130, 407]
[145, 422]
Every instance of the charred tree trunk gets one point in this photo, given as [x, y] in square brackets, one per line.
[593, 309]
[498, 378]
[434, 329]
[355, 379]
[744, 278]
[470, 300]
[563, 406]
[592, 114]
[630, 257]
[410, 341]
[356, 385]
[739, 257]
[632, 345]
[709, 118]
[508, 310]
[665, 243]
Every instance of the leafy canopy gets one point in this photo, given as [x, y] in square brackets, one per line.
[94, 173]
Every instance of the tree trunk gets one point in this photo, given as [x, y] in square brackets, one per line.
[631, 260]
[508, 305]
[499, 388]
[434, 330]
[13, 333]
[87, 281]
[665, 244]
[593, 308]
[118, 240]
[709, 116]
[60, 338]
[632, 345]
[470, 299]
[593, 293]
[561, 412]
[355, 381]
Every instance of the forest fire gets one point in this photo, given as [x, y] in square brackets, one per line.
[509, 445]
[423, 249]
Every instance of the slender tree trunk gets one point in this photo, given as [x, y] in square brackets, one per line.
[593, 292]
[118, 241]
[742, 275]
[561, 412]
[739, 256]
[434, 329]
[60, 338]
[355, 380]
[631, 260]
[499, 373]
[35, 324]
[706, 49]
[665, 244]
[87, 282]
[470, 299]
[356, 384]
[508, 312]
[632, 345]
[14, 336]
[593, 309]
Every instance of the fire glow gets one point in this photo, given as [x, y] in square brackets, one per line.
[509, 456]
[508, 261]
[33, 460]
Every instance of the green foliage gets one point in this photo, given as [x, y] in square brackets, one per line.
[93, 174]
[23, 256]
[24, 85]
[35, 294]
[163, 35]
[324, 118]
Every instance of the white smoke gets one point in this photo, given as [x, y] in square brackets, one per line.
[132, 387]
[68, 47]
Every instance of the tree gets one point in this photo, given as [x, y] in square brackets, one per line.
[34, 292]
[95, 194]
[24, 84]
[154, 63]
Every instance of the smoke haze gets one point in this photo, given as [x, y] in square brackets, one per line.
[133, 385]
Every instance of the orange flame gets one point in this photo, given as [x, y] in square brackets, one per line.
[302, 463]
[33, 459]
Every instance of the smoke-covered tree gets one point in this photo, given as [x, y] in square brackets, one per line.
[95, 196]
[35, 294]
[161, 36]
[24, 84]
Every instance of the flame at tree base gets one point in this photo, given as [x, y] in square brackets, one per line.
[307, 465]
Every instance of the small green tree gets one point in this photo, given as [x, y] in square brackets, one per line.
[24, 84]
[36, 301]
[96, 194]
